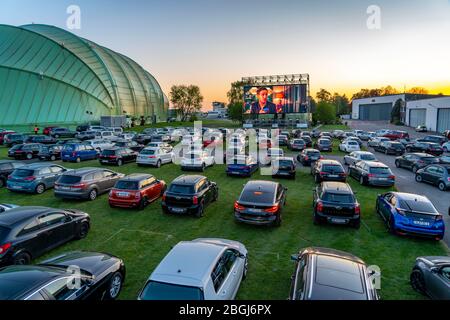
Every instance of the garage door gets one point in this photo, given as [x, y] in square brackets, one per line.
[443, 120]
[417, 117]
[375, 112]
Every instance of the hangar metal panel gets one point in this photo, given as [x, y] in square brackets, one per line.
[375, 112]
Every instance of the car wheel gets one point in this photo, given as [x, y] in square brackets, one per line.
[40, 188]
[83, 231]
[414, 169]
[93, 194]
[2, 183]
[53, 158]
[417, 281]
[357, 224]
[203, 167]
[158, 164]
[29, 156]
[22, 258]
[397, 163]
[114, 287]
[361, 180]
[442, 186]
[78, 160]
[317, 220]
[277, 222]
[143, 203]
[419, 178]
[391, 226]
[200, 211]
[119, 162]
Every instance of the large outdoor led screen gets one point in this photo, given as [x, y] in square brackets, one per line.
[275, 99]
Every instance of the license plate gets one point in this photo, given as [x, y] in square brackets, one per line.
[66, 156]
[64, 188]
[123, 194]
[17, 187]
[235, 172]
[333, 176]
[421, 223]
[339, 221]
[178, 210]
[383, 178]
[254, 210]
[104, 161]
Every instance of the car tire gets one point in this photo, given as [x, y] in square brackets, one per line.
[277, 222]
[2, 183]
[201, 211]
[83, 231]
[397, 163]
[40, 188]
[417, 281]
[357, 224]
[22, 258]
[317, 221]
[114, 286]
[52, 158]
[119, 162]
[442, 186]
[93, 194]
[29, 156]
[158, 164]
[143, 203]
[361, 181]
[391, 227]
[419, 178]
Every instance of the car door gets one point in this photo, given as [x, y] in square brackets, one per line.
[221, 281]
[298, 283]
[438, 175]
[408, 161]
[110, 178]
[206, 190]
[55, 228]
[385, 206]
[438, 284]
[235, 265]
[56, 171]
[429, 174]
[91, 153]
[154, 188]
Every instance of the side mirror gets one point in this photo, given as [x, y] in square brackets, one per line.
[295, 257]
[434, 270]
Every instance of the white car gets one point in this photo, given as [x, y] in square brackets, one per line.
[116, 130]
[202, 269]
[154, 157]
[376, 141]
[273, 153]
[357, 156]
[162, 145]
[99, 144]
[446, 146]
[96, 128]
[349, 146]
[127, 136]
[106, 135]
[197, 160]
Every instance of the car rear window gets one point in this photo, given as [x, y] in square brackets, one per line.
[430, 159]
[367, 157]
[165, 291]
[181, 189]
[70, 147]
[257, 196]
[109, 152]
[397, 146]
[127, 185]
[23, 173]
[313, 153]
[339, 273]
[325, 142]
[380, 170]
[66, 179]
[338, 197]
[286, 163]
[149, 152]
[417, 206]
[332, 168]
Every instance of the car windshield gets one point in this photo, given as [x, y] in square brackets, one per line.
[148, 152]
[332, 168]
[338, 197]
[165, 291]
[325, 142]
[417, 206]
[127, 185]
[181, 189]
[380, 170]
[257, 196]
[397, 146]
[23, 173]
[66, 179]
[368, 157]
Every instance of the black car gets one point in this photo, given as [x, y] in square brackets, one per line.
[62, 133]
[283, 140]
[52, 152]
[324, 144]
[6, 168]
[425, 147]
[143, 138]
[133, 145]
[335, 202]
[435, 174]
[372, 173]
[390, 147]
[261, 203]
[86, 183]
[308, 141]
[284, 167]
[71, 276]
[431, 277]
[12, 150]
[415, 161]
[309, 156]
[435, 139]
[86, 135]
[82, 128]
[29, 232]
[189, 194]
[28, 151]
[117, 156]
[297, 145]
[40, 139]
[328, 170]
[328, 274]
[11, 140]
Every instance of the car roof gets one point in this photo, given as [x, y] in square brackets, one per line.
[376, 164]
[329, 161]
[178, 267]
[421, 155]
[18, 215]
[261, 185]
[337, 187]
[35, 166]
[188, 179]
[83, 171]
[137, 177]
[285, 159]
[410, 196]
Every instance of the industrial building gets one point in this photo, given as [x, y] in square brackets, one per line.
[51, 76]
[434, 113]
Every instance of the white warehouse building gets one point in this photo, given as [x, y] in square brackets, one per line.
[433, 113]
[375, 108]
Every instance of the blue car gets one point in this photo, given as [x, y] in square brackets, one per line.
[242, 166]
[35, 177]
[78, 152]
[411, 214]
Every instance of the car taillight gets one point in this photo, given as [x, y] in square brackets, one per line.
[306, 158]
[323, 173]
[195, 200]
[5, 248]
[319, 206]
[151, 157]
[357, 210]
[238, 207]
[79, 186]
[273, 209]
[392, 177]
[29, 178]
[370, 175]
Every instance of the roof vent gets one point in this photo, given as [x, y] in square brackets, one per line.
[179, 271]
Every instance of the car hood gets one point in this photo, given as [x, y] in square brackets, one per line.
[436, 259]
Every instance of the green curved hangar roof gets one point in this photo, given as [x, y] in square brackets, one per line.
[50, 75]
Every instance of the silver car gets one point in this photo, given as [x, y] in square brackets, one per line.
[357, 156]
[154, 157]
[202, 269]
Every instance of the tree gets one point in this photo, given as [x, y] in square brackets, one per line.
[236, 93]
[418, 90]
[342, 104]
[326, 113]
[235, 112]
[388, 90]
[323, 96]
[395, 113]
[186, 100]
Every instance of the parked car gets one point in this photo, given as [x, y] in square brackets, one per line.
[421, 128]
[75, 152]
[337, 133]
[86, 135]
[99, 144]
[189, 194]
[7, 206]
[154, 157]
[117, 156]
[435, 139]
[415, 161]
[261, 203]
[328, 274]
[136, 191]
[102, 277]
[197, 160]
[328, 170]
[372, 173]
[50, 153]
[349, 146]
[167, 147]
[365, 136]
[297, 145]
[377, 140]
[241, 165]
[28, 151]
[3, 134]
[431, 277]
[216, 272]
[29, 232]
[309, 156]
[35, 177]
[396, 134]
[82, 128]
[435, 174]
[86, 183]
[390, 147]
[283, 140]
[412, 214]
[284, 167]
[444, 159]
[308, 141]
[323, 145]
[62, 133]
[425, 147]
[10, 140]
[107, 136]
[40, 139]
[133, 145]
[12, 150]
[354, 138]
[272, 153]
[357, 156]
[6, 168]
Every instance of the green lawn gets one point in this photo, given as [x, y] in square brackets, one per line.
[143, 238]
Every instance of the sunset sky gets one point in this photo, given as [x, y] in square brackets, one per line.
[212, 43]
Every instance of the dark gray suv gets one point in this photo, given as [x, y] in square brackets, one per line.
[86, 183]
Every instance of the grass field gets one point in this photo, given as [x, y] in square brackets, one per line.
[143, 238]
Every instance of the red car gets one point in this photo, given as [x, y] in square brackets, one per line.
[136, 191]
[395, 135]
[47, 130]
[2, 136]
